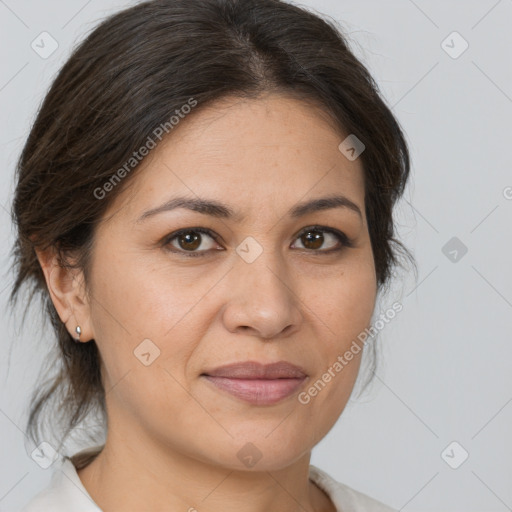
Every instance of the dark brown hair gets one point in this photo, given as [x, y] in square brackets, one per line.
[135, 70]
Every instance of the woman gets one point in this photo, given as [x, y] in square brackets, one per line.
[205, 205]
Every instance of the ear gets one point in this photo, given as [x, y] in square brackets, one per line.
[67, 291]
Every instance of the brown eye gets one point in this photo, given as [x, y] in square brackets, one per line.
[314, 238]
[194, 241]
[190, 242]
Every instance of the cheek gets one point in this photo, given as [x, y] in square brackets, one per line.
[344, 305]
[137, 297]
[345, 302]
[138, 310]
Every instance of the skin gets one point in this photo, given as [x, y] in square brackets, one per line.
[173, 438]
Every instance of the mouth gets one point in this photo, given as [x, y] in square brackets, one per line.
[257, 383]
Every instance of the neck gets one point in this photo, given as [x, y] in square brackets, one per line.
[161, 479]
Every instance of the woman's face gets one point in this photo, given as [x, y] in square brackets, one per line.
[262, 285]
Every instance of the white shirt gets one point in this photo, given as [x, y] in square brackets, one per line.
[66, 493]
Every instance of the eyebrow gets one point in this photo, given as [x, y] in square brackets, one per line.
[221, 210]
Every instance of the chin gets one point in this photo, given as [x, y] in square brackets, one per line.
[259, 452]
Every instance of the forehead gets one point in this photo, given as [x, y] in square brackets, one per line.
[245, 151]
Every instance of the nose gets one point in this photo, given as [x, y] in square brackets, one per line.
[261, 300]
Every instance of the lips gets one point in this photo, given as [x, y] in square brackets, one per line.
[257, 383]
[255, 370]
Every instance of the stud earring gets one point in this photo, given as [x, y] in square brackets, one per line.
[78, 331]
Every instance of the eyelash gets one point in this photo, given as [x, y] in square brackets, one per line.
[343, 239]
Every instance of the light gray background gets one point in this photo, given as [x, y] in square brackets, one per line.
[444, 374]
